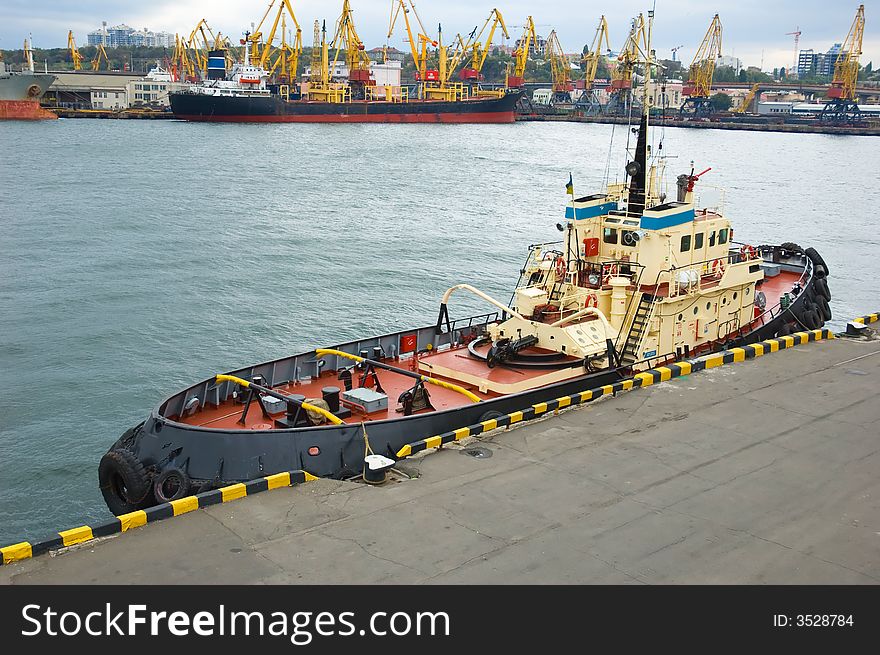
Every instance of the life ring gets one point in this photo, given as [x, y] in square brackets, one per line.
[592, 300]
[171, 484]
[748, 252]
[560, 267]
[123, 481]
[717, 268]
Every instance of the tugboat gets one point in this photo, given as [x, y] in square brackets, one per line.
[638, 280]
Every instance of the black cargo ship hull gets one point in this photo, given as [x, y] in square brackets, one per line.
[274, 109]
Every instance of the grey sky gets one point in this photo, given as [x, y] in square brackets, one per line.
[752, 28]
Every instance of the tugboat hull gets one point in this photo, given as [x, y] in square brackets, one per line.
[204, 457]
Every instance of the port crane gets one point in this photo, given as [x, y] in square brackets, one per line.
[182, 67]
[200, 42]
[321, 86]
[261, 50]
[356, 59]
[561, 70]
[75, 55]
[747, 101]
[521, 56]
[480, 50]
[635, 49]
[842, 104]
[675, 51]
[699, 85]
[420, 51]
[589, 100]
[100, 55]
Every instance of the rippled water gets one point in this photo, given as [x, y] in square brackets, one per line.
[137, 256]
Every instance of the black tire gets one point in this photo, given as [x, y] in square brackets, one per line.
[820, 285]
[823, 307]
[811, 319]
[171, 484]
[791, 247]
[488, 416]
[816, 259]
[124, 482]
[785, 330]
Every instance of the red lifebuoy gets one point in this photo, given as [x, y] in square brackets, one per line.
[560, 267]
[591, 301]
[748, 252]
[717, 268]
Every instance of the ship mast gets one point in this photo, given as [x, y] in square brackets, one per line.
[638, 168]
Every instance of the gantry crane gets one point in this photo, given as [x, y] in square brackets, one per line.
[479, 51]
[200, 42]
[747, 101]
[521, 56]
[420, 51]
[635, 49]
[356, 58]
[182, 67]
[262, 49]
[588, 100]
[75, 55]
[321, 86]
[561, 70]
[699, 85]
[100, 54]
[842, 103]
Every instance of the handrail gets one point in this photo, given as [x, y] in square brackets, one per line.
[280, 396]
[320, 352]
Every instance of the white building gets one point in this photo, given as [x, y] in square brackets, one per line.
[666, 95]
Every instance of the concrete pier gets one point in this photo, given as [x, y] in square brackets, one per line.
[764, 471]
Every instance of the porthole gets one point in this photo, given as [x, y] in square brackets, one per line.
[708, 306]
[735, 295]
[680, 317]
[748, 290]
[724, 301]
[696, 309]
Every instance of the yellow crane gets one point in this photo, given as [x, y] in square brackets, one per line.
[634, 49]
[590, 61]
[321, 86]
[200, 42]
[75, 55]
[698, 88]
[420, 51]
[100, 54]
[521, 56]
[479, 51]
[182, 67]
[560, 67]
[747, 101]
[842, 102]
[262, 49]
[356, 58]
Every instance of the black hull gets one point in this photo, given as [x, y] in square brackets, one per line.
[274, 109]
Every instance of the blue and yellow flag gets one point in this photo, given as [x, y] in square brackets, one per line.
[570, 186]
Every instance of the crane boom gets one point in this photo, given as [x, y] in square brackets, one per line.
[75, 55]
[480, 50]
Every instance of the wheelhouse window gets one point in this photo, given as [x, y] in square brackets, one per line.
[686, 243]
[722, 236]
[711, 238]
[698, 241]
[609, 235]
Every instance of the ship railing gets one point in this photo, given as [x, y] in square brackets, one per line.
[388, 93]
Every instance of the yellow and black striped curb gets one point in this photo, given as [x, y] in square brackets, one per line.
[870, 318]
[125, 522]
[645, 379]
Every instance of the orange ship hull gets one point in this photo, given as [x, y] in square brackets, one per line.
[24, 110]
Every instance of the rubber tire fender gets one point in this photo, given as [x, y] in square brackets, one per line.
[785, 330]
[791, 247]
[820, 285]
[817, 259]
[488, 416]
[824, 308]
[123, 480]
[811, 319]
[183, 485]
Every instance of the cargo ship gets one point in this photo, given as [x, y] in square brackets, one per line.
[20, 92]
[636, 281]
[246, 96]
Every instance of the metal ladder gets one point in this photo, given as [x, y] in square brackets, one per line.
[637, 329]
